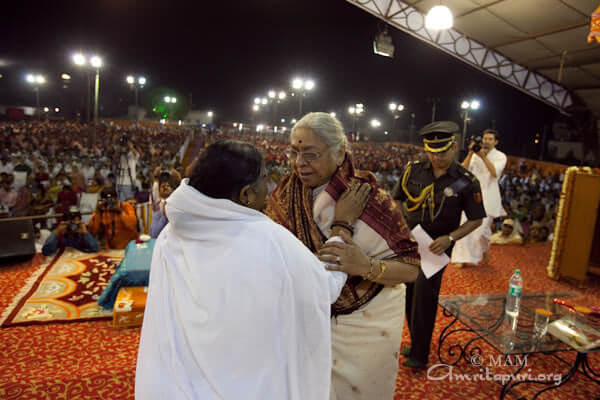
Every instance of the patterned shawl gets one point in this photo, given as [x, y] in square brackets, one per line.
[291, 205]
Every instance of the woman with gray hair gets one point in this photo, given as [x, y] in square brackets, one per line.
[324, 196]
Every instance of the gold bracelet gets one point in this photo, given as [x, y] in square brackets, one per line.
[383, 267]
[367, 276]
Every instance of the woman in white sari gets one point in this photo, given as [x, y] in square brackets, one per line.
[237, 307]
[377, 254]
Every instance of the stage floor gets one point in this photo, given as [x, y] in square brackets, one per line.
[91, 360]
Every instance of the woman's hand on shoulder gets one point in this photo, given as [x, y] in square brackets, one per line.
[352, 202]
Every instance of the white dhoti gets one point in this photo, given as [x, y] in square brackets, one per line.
[365, 348]
[472, 247]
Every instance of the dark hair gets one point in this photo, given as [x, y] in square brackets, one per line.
[225, 167]
[491, 132]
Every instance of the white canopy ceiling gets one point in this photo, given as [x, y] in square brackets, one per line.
[521, 42]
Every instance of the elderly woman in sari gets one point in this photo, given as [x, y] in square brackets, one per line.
[376, 253]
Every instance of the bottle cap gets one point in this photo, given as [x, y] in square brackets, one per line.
[518, 272]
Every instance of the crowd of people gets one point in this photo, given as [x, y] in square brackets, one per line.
[530, 201]
[46, 167]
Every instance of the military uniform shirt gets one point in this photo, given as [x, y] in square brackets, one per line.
[468, 198]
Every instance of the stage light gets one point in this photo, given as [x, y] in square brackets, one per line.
[383, 44]
[438, 18]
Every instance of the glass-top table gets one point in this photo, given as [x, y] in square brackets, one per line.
[512, 337]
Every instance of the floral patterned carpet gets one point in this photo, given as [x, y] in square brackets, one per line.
[64, 288]
[92, 360]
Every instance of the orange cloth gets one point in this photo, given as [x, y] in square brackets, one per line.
[117, 229]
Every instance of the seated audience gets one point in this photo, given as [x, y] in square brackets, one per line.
[507, 235]
[538, 233]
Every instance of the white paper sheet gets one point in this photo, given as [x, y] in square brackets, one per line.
[430, 263]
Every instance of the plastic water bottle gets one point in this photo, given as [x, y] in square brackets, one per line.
[513, 298]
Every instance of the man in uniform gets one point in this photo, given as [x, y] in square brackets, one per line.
[434, 193]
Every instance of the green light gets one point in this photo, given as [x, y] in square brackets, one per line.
[164, 115]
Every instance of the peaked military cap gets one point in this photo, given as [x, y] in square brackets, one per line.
[438, 136]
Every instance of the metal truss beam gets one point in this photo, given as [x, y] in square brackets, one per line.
[410, 20]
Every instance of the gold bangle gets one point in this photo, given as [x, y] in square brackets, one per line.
[367, 276]
[383, 267]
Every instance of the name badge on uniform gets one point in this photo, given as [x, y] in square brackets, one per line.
[448, 191]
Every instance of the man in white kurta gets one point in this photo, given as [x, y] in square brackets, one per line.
[237, 308]
[487, 165]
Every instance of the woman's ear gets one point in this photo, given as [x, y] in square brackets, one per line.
[244, 197]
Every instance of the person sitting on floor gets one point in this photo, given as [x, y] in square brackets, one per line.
[70, 232]
[507, 235]
[538, 233]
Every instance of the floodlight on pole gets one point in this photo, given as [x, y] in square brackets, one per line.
[255, 107]
[351, 110]
[282, 95]
[375, 123]
[271, 94]
[65, 77]
[264, 101]
[167, 99]
[79, 59]
[130, 79]
[301, 86]
[30, 78]
[466, 106]
[297, 83]
[210, 114]
[141, 81]
[392, 106]
[256, 100]
[96, 62]
[332, 114]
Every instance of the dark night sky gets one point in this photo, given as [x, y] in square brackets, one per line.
[228, 53]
